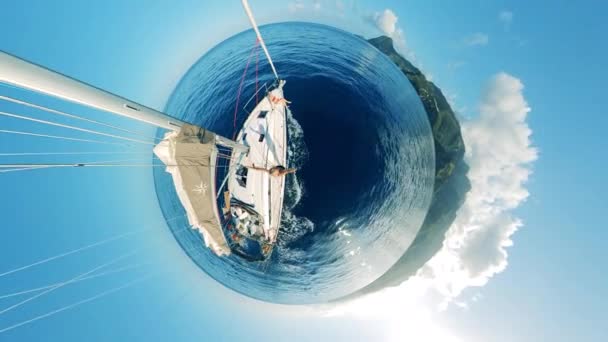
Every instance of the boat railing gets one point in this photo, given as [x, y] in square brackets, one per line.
[262, 89]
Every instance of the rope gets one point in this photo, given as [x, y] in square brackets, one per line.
[23, 167]
[33, 166]
[238, 95]
[257, 60]
[67, 282]
[50, 110]
[219, 191]
[224, 156]
[61, 153]
[102, 274]
[73, 305]
[21, 117]
[59, 137]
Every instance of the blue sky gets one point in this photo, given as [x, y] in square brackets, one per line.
[494, 60]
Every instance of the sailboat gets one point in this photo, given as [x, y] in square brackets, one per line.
[239, 213]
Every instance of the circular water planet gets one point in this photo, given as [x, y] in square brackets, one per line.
[362, 144]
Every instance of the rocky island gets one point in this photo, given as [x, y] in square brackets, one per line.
[451, 182]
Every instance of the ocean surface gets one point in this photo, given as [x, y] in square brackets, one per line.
[362, 144]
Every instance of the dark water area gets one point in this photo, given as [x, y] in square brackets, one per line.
[363, 147]
[344, 177]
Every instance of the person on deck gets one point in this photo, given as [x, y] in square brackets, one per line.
[276, 171]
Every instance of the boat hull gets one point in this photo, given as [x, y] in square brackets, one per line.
[251, 185]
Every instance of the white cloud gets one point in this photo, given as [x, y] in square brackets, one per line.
[477, 38]
[386, 21]
[399, 40]
[296, 6]
[316, 5]
[505, 17]
[499, 153]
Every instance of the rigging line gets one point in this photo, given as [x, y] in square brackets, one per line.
[73, 305]
[95, 244]
[224, 156]
[238, 94]
[143, 154]
[67, 282]
[98, 275]
[102, 274]
[11, 167]
[70, 306]
[70, 281]
[141, 159]
[257, 60]
[64, 153]
[104, 163]
[5, 168]
[223, 148]
[25, 169]
[219, 190]
[196, 250]
[55, 257]
[118, 270]
[61, 137]
[22, 117]
[54, 111]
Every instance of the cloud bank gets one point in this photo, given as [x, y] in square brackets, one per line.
[500, 155]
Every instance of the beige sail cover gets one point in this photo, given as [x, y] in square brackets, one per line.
[190, 159]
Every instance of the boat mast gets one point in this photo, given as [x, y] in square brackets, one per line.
[257, 32]
[21, 73]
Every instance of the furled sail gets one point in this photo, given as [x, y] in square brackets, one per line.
[190, 157]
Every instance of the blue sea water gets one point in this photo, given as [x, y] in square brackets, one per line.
[363, 147]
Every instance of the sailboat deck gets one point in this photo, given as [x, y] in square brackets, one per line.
[265, 133]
